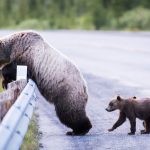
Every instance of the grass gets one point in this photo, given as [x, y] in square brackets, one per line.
[31, 138]
[1, 89]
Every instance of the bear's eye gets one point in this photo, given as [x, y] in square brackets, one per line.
[111, 104]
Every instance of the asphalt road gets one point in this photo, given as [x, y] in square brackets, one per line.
[112, 63]
[117, 55]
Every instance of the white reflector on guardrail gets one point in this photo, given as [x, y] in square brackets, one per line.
[21, 72]
[15, 123]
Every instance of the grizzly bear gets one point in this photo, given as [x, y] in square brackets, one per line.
[57, 77]
[131, 108]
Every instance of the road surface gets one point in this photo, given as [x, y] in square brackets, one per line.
[112, 63]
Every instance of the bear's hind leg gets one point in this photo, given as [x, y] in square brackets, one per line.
[146, 124]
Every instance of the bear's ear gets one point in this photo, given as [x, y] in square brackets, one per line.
[119, 98]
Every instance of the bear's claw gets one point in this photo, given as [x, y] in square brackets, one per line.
[110, 130]
[130, 133]
[70, 133]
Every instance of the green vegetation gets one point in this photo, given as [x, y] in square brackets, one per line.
[138, 18]
[1, 89]
[31, 138]
[75, 14]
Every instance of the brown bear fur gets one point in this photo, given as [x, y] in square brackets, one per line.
[57, 77]
[131, 108]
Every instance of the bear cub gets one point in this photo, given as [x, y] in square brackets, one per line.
[131, 108]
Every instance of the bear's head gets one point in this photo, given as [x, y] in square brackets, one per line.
[4, 54]
[114, 104]
[117, 103]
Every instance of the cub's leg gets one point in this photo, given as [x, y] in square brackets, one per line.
[120, 121]
[144, 125]
[133, 125]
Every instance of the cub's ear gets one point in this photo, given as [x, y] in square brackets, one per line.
[119, 98]
[134, 97]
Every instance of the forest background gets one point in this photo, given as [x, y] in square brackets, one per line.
[75, 14]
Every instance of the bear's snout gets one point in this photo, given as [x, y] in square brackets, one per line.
[107, 109]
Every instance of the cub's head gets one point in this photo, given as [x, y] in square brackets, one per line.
[114, 104]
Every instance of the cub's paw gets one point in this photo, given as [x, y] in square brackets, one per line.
[130, 133]
[144, 132]
[110, 129]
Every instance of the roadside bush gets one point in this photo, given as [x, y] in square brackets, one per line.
[84, 22]
[33, 24]
[135, 19]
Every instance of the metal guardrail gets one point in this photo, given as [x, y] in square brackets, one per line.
[15, 123]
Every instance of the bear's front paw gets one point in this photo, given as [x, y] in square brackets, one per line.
[110, 129]
[131, 133]
[70, 133]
